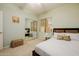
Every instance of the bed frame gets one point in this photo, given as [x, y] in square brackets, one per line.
[60, 30]
[66, 30]
[35, 53]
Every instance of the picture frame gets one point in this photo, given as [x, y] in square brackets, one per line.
[15, 19]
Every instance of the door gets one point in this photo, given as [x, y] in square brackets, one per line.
[1, 30]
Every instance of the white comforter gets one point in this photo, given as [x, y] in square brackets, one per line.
[54, 47]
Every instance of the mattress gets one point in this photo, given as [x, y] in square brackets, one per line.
[54, 47]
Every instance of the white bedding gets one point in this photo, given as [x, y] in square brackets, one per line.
[54, 47]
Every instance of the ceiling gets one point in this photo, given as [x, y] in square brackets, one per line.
[38, 8]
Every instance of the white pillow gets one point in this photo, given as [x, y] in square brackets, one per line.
[73, 36]
[56, 34]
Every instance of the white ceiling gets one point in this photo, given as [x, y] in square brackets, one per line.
[38, 8]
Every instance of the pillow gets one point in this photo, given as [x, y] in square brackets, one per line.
[66, 38]
[74, 36]
[56, 34]
[60, 37]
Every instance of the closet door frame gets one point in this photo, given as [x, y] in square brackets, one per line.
[1, 30]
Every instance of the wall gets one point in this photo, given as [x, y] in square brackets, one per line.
[13, 31]
[66, 16]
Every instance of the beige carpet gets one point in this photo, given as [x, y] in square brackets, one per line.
[24, 50]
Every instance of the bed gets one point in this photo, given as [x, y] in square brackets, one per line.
[54, 47]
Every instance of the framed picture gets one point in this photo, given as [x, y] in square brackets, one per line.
[15, 19]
